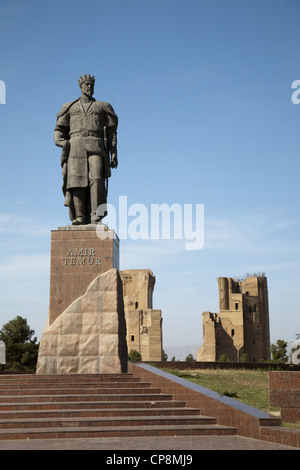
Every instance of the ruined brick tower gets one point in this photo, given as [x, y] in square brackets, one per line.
[242, 326]
[143, 323]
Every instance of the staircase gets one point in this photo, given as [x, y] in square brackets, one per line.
[87, 406]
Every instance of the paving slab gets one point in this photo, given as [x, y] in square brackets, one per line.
[173, 443]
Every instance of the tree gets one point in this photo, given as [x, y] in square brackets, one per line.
[244, 358]
[134, 356]
[190, 358]
[224, 358]
[279, 351]
[21, 348]
[164, 355]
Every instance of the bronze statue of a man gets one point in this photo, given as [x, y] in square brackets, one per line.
[86, 129]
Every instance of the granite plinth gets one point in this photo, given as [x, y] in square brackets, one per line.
[78, 255]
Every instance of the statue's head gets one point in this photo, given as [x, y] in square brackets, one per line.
[86, 84]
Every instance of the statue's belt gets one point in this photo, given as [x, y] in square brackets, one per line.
[87, 134]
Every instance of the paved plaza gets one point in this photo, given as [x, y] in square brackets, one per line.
[146, 443]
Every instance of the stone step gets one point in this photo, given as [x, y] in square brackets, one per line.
[114, 422]
[62, 379]
[96, 413]
[95, 405]
[79, 391]
[108, 405]
[84, 397]
[71, 385]
[121, 431]
[77, 377]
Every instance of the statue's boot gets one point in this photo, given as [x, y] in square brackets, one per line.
[98, 199]
[79, 195]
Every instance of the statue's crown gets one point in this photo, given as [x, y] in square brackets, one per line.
[86, 78]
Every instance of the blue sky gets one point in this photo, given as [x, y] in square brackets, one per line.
[203, 93]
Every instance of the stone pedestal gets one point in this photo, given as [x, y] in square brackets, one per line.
[86, 330]
[78, 255]
[89, 337]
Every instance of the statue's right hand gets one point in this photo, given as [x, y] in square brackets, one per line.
[62, 143]
[65, 152]
[65, 144]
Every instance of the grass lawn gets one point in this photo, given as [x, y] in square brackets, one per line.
[249, 386]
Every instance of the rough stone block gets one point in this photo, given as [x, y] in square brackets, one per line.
[88, 338]
[88, 345]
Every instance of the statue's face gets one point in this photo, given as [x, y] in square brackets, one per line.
[87, 88]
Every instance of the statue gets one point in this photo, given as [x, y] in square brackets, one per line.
[86, 129]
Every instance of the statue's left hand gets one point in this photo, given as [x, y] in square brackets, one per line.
[114, 161]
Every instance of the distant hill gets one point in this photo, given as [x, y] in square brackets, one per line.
[180, 352]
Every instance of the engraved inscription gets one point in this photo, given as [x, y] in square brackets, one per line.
[82, 257]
